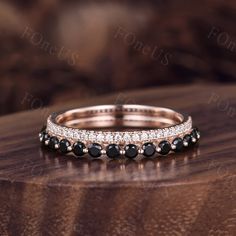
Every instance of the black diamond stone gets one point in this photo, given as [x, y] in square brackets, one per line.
[131, 151]
[165, 147]
[178, 142]
[113, 151]
[94, 150]
[149, 149]
[195, 133]
[64, 144]
[52, 142]
[41, 134]
[78, 149]
[44, 136]
[188, 139]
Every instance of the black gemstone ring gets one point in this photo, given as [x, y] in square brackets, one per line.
[146, 131]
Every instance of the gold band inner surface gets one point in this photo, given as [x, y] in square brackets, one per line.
[119, 116]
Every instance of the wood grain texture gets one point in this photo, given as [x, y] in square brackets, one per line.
[191, 193]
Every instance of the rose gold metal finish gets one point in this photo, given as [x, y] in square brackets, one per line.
[118, 124]
[110, 116]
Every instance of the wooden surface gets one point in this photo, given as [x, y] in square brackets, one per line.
[191, 193]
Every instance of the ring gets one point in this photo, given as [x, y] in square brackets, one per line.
[119, 130]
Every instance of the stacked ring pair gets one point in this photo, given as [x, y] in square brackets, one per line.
[119, 130]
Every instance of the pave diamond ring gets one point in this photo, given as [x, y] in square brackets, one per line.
[119, 130]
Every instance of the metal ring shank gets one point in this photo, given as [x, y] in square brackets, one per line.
[111, 116]
[93, 124]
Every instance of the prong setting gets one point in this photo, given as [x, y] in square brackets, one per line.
[185, 144]
[147, 142]
[140, 151]
[194, 140]
[85, 150]
[122, 152]
[130, 150]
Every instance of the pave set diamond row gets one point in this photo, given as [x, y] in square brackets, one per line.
[102, 137]
[115, 131]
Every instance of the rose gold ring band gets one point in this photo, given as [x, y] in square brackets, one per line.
[119, 124]
[83, 123]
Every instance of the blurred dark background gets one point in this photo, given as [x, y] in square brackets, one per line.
[58, 51]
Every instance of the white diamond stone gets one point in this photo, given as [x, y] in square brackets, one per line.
[70, 133]
[182, 127]
[84, 135]
[92, 136]
[100, 137]
[65, 132]
[159, 134]
[76, 135]
[135, 137]
[127, 137]
[152, 135]
[144, 136]
[59, 131]
[172, 131]
[118, 138]
[109, 138]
